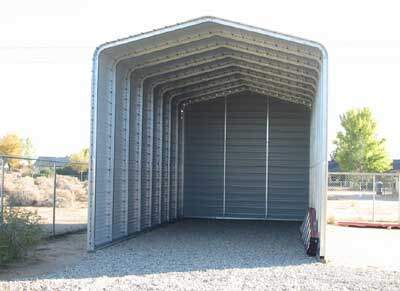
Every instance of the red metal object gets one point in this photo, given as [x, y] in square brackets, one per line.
[309, 232]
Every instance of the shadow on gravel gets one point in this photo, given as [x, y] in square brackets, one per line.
[196, 245]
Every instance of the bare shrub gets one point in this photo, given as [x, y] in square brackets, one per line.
[65, 198]
[38, 191]
[21, 191]
[19, 231]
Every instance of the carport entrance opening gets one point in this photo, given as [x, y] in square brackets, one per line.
[246, 156]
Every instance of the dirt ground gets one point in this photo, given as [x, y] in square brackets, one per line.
[68, 219]
[353, 206]
[53, 254]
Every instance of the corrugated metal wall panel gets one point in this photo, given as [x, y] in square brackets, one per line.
[246, 156]
[133, 197]
[103, 198]
[166, 138]
[120, 163]
[146, 169]
[289, 139]
[204, 159]
[173, 186]
[181, 151]
[157, 162]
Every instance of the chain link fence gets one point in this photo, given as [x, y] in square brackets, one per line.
[55, 189]
[363, 197]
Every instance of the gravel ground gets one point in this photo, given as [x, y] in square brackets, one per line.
[212, 255]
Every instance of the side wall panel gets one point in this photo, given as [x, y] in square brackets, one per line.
[288, 176]
[121, 143]
[104, 147]
[204, 159]
[133, 198]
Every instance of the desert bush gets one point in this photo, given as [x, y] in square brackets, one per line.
[64, 198]
[19, 231]
[21, 191]
[38, 191]
[26, 171]
[29, 198]
[81, 195]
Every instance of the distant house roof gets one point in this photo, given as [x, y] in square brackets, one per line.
[396, 165]
[45, 162]
[333, 166]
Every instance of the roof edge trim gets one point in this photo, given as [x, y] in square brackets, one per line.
[216, 20]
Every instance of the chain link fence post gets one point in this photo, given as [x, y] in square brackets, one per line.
[373, 183]
[398, 193]
[2, 191]
[373, 207]
[54, 198]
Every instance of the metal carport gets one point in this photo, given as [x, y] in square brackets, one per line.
[207, 118]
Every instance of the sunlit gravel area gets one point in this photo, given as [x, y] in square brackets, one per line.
[210, 255]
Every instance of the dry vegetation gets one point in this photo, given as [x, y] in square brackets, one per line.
[20, 231]
[28, 191]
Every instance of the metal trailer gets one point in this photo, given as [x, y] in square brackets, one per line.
[211, 119]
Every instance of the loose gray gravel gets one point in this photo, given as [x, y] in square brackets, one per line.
[210, 255]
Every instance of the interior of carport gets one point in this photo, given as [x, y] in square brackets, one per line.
[206, 119]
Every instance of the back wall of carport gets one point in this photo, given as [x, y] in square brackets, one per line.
[229, 144]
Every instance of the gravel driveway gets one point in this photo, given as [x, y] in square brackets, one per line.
[212, 255]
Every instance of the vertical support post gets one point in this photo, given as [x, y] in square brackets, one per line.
[323, 147]
[126, 156]
[54, 198]
[224, 184]
[183, 159]
[398, 193]
[2, 189]
[160, 158]
[266, 160]
[373, 183]
[176, 161]
[182, 165]
[138, 161]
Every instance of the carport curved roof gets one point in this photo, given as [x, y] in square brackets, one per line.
[194, 57]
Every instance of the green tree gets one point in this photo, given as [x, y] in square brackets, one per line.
[28, 150]
[11, 145]
[358, 149]
[80, 161]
